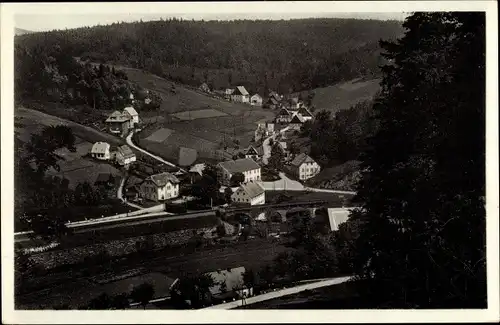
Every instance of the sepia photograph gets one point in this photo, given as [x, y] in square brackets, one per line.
[263, 156]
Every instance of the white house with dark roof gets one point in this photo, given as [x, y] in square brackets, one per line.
[241, 95]
[119, 122]
[304, 167]
[249, 193]
[101, 151]
[248, 167]
[133, 114]
[254, 153]
[159, 187]
[125, 156]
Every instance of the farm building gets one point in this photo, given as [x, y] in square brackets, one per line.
[256, 100]
[119, 122]
[159, 187]
[205, 88]
[240, 95]
[248, 167]
[125, 156]
[100, 150]
[296, 122]
[249, 193]
[304, 167]
[133, 114]
[305, 113]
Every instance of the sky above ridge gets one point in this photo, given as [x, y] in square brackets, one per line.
[51, 21]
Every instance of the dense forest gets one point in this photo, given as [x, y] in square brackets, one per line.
[52, 74]
[288, 56]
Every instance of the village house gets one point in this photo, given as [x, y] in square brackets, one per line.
[249, 193]
[284, 116]
[241, 95]
[196, 172]
[305, 114]
[159, 187]
[253, 153]
[296, 122]
[248, 167]
[256, 100]
[101, 151]
[304, 167]
[125, 156]
[119, 122]
[205, 88]
[133, 114]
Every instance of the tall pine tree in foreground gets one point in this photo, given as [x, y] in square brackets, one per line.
[422, 240]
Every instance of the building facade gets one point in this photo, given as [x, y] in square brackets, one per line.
[256, 100]
[101, 151]
[241, 95]
[304, 167]
[248, 167]
[159, 187]
[249, 193]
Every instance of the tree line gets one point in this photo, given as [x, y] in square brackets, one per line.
[52, 74]
[287, 56]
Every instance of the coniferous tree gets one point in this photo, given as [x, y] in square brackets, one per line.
[422, 240]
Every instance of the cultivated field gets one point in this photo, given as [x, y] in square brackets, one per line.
[198, 121]
[344, 95]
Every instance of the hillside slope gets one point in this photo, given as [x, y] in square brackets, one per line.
[284, 55]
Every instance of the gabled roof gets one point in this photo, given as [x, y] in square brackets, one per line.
[130, 110]
[297, 119]
[100, 147]
[300, 159]
[187, 156]
[242, 91]
[229, 91]
[252, 189]
[254, 151]
[305, 112]
[239, 165]
[118, 116]
[125, 151]
[256, 96]
[162, 179]
[284, 112]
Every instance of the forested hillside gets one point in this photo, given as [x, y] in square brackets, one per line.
[50, 73]
[289, 55]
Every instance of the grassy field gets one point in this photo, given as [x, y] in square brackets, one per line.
[198, 121]
[344, 95]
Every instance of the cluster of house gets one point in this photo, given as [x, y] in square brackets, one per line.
[238, 94]
[294, 118]
[120, 122]
[123, 155]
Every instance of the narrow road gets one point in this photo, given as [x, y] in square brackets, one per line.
[287, 184]
[131, 144]
[281, 293]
